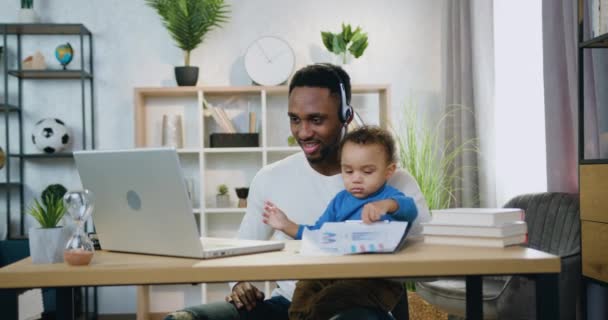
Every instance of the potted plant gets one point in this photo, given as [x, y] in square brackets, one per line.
[222, 198]
[345, 44]
[188, 21]
[27, 13]
[48, 241]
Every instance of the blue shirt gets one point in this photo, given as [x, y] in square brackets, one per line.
[344, 206]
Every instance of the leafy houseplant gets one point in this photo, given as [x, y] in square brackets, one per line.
[345, 42]
[222, 198]
[27, 4]
[48, 241]
[188, 21]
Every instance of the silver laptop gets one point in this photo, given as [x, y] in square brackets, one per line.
[142, 206]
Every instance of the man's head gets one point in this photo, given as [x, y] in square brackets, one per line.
[315, 109]
[368, 160]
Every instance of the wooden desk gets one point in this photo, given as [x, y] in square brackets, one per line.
[416, 260]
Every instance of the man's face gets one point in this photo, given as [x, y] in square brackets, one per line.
[365, 168]
[313, 118]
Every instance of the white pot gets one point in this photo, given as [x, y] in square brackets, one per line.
[47, 244]
[27, 16]
[222, 200]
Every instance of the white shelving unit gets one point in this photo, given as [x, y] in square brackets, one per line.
[208, 167]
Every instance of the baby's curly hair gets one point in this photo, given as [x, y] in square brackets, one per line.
[368, 135]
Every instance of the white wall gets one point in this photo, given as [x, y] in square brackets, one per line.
[133, 49]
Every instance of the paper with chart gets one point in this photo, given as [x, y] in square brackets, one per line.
[353, 237]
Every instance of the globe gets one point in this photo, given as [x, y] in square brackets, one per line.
[64, 54]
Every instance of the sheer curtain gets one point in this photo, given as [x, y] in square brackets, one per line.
[460, 125]
[561, 78]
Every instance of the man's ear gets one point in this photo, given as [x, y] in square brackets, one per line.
[391, 170]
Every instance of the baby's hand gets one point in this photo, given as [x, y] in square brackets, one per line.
[373, 211]
[274, 217]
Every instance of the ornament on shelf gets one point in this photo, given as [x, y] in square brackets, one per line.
[50, 135]
[64, 54]
[34, 62]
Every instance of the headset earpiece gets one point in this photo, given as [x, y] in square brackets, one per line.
[346, 111]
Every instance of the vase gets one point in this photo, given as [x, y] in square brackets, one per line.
[186, 76]
[47, 244]
[222, 200]
[27, 15]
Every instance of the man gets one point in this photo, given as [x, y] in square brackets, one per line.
[302, 184]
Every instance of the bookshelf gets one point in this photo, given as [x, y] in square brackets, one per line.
[208, 167]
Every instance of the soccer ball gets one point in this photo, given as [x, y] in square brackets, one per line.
[51, 135]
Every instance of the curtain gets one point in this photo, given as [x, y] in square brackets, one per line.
[561, 93]
[460, 126]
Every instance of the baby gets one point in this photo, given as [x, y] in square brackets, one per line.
[367, 157]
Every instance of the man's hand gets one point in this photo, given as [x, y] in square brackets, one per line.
[244, 294]
[374, 211]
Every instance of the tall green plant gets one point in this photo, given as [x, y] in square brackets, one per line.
[430, 159]
[188, 21]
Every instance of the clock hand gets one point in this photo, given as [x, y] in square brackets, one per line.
[263, 52]
[277, 55]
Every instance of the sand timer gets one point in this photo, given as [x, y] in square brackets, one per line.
[79, 249]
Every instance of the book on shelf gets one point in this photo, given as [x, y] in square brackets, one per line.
[476, 241]
[504, 230]
[477, 216]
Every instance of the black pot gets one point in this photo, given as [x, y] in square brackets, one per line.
[186, 76]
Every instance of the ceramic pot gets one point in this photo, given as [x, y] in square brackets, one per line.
[47, 244]
[186, 76]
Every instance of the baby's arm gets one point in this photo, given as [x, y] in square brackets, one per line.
[277, 219]
[399, 206]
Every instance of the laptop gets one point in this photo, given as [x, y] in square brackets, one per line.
[142, 206]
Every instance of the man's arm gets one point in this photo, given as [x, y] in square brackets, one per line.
[405, 183]
[252, 227]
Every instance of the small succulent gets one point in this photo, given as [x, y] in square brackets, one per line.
[27, 4]
[222, 189]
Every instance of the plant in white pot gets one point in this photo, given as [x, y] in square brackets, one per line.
[27, 13]
[345, 45]
[222, 198]
[47, 242]
[188, 21]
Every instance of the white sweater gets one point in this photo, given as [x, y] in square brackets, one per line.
[303, 193]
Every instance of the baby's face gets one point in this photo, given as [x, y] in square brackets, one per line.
[365, 168]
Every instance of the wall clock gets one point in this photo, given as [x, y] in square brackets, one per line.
[269, 61]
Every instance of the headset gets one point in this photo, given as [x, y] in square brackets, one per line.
[346, 111]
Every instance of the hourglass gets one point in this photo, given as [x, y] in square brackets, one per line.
[79, 249]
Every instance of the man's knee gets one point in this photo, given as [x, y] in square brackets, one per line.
[210, 311]
[362, 313]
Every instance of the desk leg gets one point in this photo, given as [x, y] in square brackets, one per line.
[64, 308]
[474, 298]
[9, 303]
[547, 296]
[143, 302]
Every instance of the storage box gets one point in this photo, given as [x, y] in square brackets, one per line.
[234, 140]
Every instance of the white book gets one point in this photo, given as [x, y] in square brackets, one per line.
[476, 241]
[505, 230]
[477, 216]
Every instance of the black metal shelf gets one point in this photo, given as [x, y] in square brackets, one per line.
[50, 74]
[10, 185]
[42, 155]
[9, 108]
[593, 161]
[597, 42]
[44, 28]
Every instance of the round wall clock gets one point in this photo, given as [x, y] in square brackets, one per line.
[269, 61]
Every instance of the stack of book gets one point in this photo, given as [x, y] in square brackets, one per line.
[481, 227]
